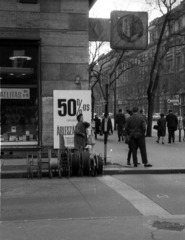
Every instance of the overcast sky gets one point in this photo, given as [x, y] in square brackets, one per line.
[102, 8]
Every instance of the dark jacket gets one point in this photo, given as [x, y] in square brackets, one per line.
[161, 122]
[172, 120]
[183, 122]
[120, 119]
[135, 126]
[80, 135]
[144, 117]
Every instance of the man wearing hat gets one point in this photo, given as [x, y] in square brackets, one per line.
[80, 135]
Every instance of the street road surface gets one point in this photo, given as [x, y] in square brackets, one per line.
[107, 207]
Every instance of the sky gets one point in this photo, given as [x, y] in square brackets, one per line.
[102, 8]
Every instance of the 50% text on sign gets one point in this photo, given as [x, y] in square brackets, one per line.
[71, 107]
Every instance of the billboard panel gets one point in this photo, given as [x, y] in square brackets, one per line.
[67, 104]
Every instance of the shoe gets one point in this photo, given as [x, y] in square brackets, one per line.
[169, 142]
[148, 165]
[162, 143]
[135, 165]
[128, 163]
[157, 141]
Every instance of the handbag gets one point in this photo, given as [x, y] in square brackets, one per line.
[127, 139]
[156, 127]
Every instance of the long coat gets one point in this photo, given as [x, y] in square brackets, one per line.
[80, 135]
[161, 122]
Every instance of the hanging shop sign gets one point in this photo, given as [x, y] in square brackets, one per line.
[129, 30]
[67, 105]
[14, 93]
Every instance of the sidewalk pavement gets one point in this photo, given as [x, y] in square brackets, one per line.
[167, 158]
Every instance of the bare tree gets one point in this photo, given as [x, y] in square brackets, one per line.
[168, 38]
[103, 69]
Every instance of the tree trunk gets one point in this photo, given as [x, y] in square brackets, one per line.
[93, 100]
[150, 114]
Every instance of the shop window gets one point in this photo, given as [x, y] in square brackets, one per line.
[19, 93]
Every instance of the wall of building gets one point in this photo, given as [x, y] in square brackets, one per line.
[62, 27]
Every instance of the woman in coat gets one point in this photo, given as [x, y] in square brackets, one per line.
[80, 133]
[161, 132]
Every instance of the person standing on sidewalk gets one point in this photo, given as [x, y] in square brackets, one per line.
[172, 123]
[144, 116]
[120, 121]
[136, 128]
[161, 132]
[80, 133]
[97, 126]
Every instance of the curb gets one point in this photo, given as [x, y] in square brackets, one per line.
[23, 174]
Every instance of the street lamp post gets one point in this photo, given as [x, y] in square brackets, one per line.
[106, 123]
[180, 115]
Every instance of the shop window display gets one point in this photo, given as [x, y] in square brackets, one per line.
[19, 93]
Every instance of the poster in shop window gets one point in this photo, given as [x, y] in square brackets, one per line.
[68, 104]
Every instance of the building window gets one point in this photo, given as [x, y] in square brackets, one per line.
[169, 64]
[178, 62]
[19, 93]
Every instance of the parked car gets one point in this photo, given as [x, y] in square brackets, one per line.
[156, 116]
[111, 115]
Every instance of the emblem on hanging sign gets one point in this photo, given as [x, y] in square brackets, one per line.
[129, 30]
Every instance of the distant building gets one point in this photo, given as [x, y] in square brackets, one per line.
[131, 87]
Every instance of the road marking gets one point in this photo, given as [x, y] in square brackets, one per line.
[143, 204]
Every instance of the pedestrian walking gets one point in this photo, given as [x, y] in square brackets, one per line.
[80, 133]
[109, 125]
[136, 127]
[120, 121]
[172, 123]
[161, 131]
[97, 126]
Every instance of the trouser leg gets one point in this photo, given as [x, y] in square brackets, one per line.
[142, 147]
[173, 134]
[133, 145]
[169, 134]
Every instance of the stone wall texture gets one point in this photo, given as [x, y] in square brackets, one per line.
[62, 27]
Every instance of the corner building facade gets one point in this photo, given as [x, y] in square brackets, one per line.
[43, 47]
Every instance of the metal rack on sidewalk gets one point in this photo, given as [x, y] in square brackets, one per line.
[65, 162]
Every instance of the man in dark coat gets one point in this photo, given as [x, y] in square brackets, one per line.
[136, 127]
[120, 121]
[97, 126]
[172, 123]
